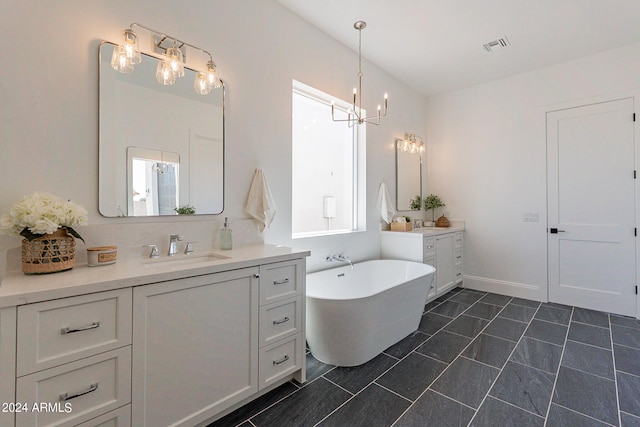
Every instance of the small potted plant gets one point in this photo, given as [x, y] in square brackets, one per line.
[416, 203]
[185, 210]
[431, 203]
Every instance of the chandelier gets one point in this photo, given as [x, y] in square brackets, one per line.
[354, 114]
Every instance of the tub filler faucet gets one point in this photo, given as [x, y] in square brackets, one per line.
[340, 258]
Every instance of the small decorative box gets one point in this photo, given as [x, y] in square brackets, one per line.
[401, 226]
[101, 255]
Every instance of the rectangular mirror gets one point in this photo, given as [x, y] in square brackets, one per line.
[408, 176]
[161, 147]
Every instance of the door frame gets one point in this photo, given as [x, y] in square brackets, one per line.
[581, 102]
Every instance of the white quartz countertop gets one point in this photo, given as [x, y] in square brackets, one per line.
[18, 288]
[428, 231]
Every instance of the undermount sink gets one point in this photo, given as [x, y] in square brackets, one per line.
[179, 260]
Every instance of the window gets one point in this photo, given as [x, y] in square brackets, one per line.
[328, 171]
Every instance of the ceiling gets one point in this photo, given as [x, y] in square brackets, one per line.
[436, 46]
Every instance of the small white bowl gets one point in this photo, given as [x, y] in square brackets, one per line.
[101, 255]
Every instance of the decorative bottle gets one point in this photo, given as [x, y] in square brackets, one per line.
[225, 236]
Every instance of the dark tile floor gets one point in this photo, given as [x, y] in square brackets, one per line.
[477, 359]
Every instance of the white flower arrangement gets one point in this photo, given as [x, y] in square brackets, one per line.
[42, 213]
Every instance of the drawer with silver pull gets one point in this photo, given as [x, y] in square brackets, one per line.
[279, 360]
[77, 392]
[458, 240]
[121, 417]
[428, 247]
[458, 257]
[458, 274]
[59, 331]
[279, 281]
[279, 320]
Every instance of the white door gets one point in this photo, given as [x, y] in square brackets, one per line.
[591, 202]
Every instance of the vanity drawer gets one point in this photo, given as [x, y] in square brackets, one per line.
[279, 360]
[428, 247]
[279, 281]
[458, 240]
[279, 320]
[81, 390]
[458, 257]
[59, 331]
[458, 274]
[119, 418]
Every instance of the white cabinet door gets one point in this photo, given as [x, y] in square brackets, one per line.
[195, 347]
[444, 263]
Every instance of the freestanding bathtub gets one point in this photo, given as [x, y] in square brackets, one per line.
[353, 314]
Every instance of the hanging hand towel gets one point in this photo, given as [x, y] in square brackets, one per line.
[385, 205]
[260, 204]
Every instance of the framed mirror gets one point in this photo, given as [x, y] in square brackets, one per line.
[408, 176]
[161, 148]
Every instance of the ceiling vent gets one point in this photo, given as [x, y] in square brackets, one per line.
[496, 44]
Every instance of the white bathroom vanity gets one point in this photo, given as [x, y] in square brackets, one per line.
[151, 342]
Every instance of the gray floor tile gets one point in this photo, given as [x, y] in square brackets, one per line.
[496, 299]
[412, 375]
[587, 394]
[315, 368]
[490, 350]
[484, 311]
[591, 317]
[517, 312]
[494, 413]
[556, 305]
[433, 409]
[588, 334]
[524, 387]
[505, 328]
[250, 409]
[563, 417]
[629, 420]
[629, 322]
[467, 297]
[525, 302]
[555, 315]
[375, 406]
[587, 358]
[627, 359]
[432, 323]
[428, 306]
[546, 331]
[467, 326]
[407, 345]
[450, 308]
[626, 336]
[628, 392]
[444, 346]
[306, 407]
[466, 381]
[356, 378]
[538, 354]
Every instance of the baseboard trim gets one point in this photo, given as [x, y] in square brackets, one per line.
[503, 287]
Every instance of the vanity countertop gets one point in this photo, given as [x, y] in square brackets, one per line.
[18, 288]
[430, 231]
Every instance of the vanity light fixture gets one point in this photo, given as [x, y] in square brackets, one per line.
[354, 115]
[171, 53]
[410, 144]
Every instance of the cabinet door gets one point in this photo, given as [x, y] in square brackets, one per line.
[195, 347]
[444, 263]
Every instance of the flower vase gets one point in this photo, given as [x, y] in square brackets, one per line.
[49, 253]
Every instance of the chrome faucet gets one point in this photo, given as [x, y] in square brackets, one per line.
[340, 258]
[173, 244]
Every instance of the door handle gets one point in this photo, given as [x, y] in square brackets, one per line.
[555, 231]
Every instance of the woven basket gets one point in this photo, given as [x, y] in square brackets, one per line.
[442, 222]
[49, 253]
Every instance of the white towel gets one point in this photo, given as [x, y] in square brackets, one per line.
[385, 205]
[260, 204]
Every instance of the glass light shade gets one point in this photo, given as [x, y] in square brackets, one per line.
[174, 57]
[201, 85]
[131, 47]
[164, 74]
[119, 61]
[212, 76]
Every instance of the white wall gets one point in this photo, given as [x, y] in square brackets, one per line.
[49, 119]
[487, 159]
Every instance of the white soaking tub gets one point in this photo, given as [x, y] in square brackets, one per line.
[353, 314]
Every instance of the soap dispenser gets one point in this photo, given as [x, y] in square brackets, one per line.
[225, 236]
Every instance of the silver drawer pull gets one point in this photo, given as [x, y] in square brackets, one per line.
[65, 396]
[283, 320]
[459, 256]
[67, 330]
[284, 359]
[458, 274]
[430, 247]
[281, 282]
